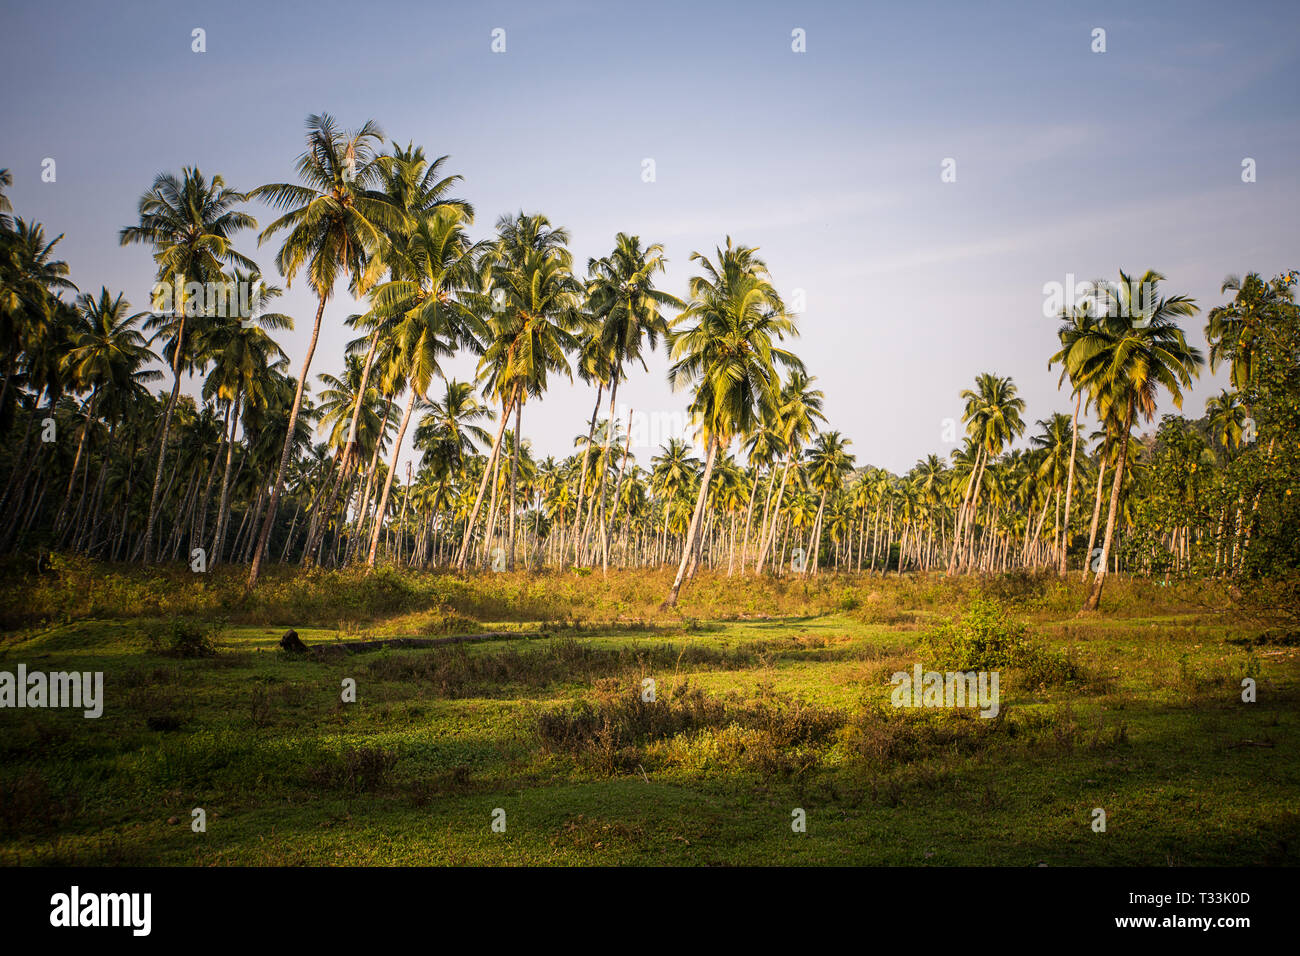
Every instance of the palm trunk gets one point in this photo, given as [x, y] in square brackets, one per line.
[1096, 517]
[1094, 597]
[463, 554]
[514, 477]
[388, 481]
[780, 496]
[167, 422]
[286, 454]
[692, 533]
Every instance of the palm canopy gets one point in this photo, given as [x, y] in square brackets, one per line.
[534, 306]
[189, 222]
[334, 221]
[798, 410]
[429, 319]
[449, 434]
[1124, 362]
[1234, 330]
[623, 298]
[723, 343]
[108, 352]
[829, 461]
[992, 412]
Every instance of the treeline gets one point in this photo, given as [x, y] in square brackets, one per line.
[268, 465]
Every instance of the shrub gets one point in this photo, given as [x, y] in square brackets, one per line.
[182, 637]
[986, 639]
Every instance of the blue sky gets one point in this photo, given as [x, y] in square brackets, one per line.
[1068, 161]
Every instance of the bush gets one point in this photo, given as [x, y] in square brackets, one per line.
[986, 639]
[182, 637]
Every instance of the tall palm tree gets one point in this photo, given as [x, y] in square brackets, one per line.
[628, 307]
[108, 356]
[189, 222]
[415, 186]
[1075, 324]
[334, 229]
[795, 417]
[828, 462]
[992, 416]
[535, 304]
[242, 353]
[1126, 357]
[723, 344]
[593, 364]
[440, 262]
[1055, 443]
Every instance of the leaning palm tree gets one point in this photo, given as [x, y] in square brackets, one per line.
[1132, 351]
[723, 344]
[189, 223]
[335, 229]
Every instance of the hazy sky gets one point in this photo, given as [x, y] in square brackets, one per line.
[1067, 161]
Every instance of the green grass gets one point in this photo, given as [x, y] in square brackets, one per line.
[769, 697]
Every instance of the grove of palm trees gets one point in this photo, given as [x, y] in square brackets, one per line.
[363, 533]
[266, 465]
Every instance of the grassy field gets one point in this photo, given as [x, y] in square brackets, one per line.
[769, 697]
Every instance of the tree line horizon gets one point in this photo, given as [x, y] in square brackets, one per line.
[106, 469]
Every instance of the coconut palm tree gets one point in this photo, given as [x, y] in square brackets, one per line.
[241, 352]
[724, 344]
[534, 305]
[794, 417]
[1055, 443]
[107, 359]
[828, 463]
[1074, 325]
[1130, 353]
[623, 299]
[672, 472]
[189, 222]
[1226, 417]
[593, 364]
[439, 263]
[992, 416]
[410, 183]
[335, 228]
